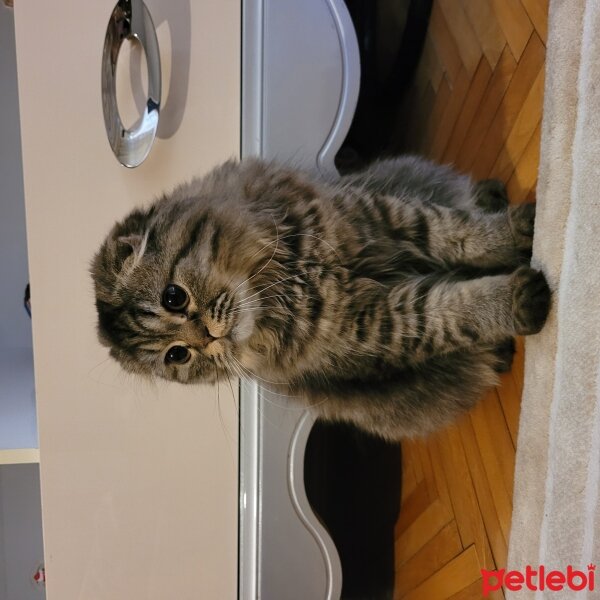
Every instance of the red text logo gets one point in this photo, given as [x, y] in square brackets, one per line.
[540, 579]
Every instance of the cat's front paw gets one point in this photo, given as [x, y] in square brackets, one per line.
[521, 218]
[531, 300]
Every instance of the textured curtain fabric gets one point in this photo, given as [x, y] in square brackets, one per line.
[556, 518]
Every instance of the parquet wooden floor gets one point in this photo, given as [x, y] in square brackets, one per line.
[476, 102]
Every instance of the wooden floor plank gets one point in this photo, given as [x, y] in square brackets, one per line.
[439, 551]
[464, 500]
[428, 472]
[522, 131]
[503, 445]
[416, 460]
[524, 177]
[445, 44]
[439, 473]
[469, 48]
[430, 64]
[412, 507]
[448, 120]
[455, 576]
[519, 361]
[474, 592]
[486, 111]
[433, 519]
[510, 400]
[468, 110]
[493, 470]
[493, 528]
[441, 102]
[487, 29]
[509, 108]
[515, 24]
[409, 477]
[538, 13]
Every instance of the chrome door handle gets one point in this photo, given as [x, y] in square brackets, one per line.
[130, 19]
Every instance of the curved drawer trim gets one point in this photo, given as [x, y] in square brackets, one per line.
[350, 85]
[304, 510]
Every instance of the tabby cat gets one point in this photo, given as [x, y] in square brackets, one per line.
[388, 298]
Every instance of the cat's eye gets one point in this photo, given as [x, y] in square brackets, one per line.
[175, 298]
[177, 355]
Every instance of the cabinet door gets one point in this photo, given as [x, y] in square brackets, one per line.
[139, 479]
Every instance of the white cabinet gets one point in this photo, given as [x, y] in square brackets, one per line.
[139, 479]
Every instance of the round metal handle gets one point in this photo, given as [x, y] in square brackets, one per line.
[130, 19]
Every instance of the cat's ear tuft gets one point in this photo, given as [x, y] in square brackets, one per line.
[134, 242]
[127, 248]
[129, 237]
[132, 226]
[122, 249]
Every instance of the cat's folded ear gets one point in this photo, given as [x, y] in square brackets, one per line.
[133, 242]
[128, 238]
[123, 248]
[130, 232]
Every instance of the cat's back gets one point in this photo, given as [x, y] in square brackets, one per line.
[412, 177]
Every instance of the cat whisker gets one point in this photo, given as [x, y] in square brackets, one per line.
[271, 392]
[285, 296]
[253, 303]
[296, 275]
[267, 263]
[323, 241]
[254, 376]
[293, 235]
[281, 395]
[219, 400]
[289, 396]
[92, 374]
[251, 309]
[276, 296]
[271, 285]
[243, 380]
[233, 397]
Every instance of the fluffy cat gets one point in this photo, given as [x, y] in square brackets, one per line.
[387, 299]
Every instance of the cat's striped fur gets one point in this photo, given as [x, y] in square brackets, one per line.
[388, 298]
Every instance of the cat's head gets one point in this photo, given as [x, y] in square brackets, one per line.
[173, 285]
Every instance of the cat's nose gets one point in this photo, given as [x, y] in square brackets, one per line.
[199, 335]
[204, 335]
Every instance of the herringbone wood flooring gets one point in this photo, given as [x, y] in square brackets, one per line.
[476, 101]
